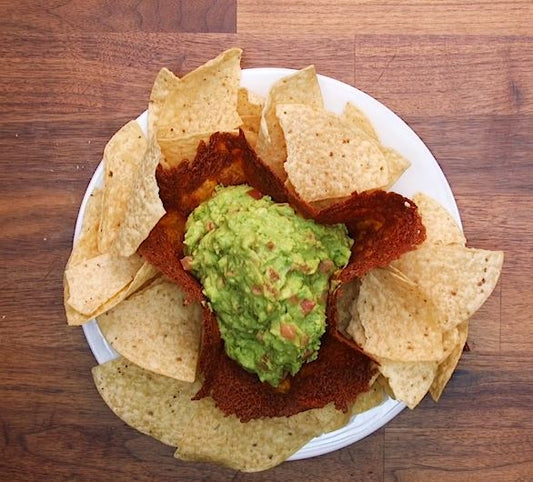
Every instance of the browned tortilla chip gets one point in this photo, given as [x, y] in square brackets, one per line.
[384, 225]
[338, 375]
[164, 249]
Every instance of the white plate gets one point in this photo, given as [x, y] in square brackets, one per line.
[424, 175]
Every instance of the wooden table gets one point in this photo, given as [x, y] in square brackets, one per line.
[71, 72]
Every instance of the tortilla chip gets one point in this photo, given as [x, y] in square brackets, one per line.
[457, 279]
[144, 208]
[176, 150]
[249, 103]
[368, 400]
[256, 445]
[249, 108]
[399, 322]
[164, 83]
[326, 157]
[95, 281]
[299, 88]
[409, 381]
[123, 156]
[153, 404]
[142, 277]
[447, 367]
[201, 103]
[441, 228]
[357, 117]
[396, 163]
[162, 408]
[156, 331]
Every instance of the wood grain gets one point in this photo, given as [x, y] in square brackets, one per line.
[72, 72]
[63, 16]
[323, 17]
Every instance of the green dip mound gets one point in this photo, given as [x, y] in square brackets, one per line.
[266, 273]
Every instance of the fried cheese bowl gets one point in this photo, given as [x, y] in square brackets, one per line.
[259, 281]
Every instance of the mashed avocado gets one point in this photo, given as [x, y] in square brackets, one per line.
[266, 273]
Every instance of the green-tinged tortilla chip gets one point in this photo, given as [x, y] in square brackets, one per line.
[153, 404]
[156, 331]
[164, 83]
[441, 228]
[457, 279]
[96, 280]
[370, 399]
[399, 322]
[162, 407]
[144, 208]
[326, 157]
[256, 445]
[299, 88]
[203, 102]
[409, 381]
[123, 156]
[447, 367]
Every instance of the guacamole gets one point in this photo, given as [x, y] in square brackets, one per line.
[266, 272]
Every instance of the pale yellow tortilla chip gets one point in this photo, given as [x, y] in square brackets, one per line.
[326, 157]
[249, 108]
[162, 407]
[156, 331]
[409, 381]
[447, 367]
[175, 150]
[164, 83]
[85, 247]
[249, 103]
[457, 279]
[357, 117]
[203, 102]
[299, 88]
[146, 273]
[441, 228]
[123, 156]
[96, 280]
[399, 322]
[396, 163]
[144, 208]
